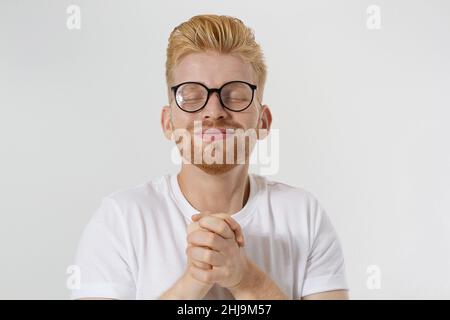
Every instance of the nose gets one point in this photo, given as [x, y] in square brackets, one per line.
[213, 109]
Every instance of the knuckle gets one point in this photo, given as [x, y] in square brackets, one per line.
[203, 222]
[211, 239]
[207, 256]
[222, 228]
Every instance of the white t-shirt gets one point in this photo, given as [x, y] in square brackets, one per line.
[134, 245]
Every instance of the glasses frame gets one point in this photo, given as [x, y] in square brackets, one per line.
[211, 90]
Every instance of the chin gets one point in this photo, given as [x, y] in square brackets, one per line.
[215, 169]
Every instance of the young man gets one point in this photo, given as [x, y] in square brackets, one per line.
[212, 231]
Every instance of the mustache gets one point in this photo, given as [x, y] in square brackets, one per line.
[214, 124]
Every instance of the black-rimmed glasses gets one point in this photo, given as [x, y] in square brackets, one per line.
[234, 95]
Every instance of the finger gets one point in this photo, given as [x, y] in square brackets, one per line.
[217, 225]
[201, 265]
[202, 214]
[207, 276]
[205, 238]
[237, 230]
[198, 264]
[239, 236]
[207, 256]
[197, 216]
[192, 227]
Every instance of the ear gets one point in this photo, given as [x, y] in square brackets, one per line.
[264, 123]
[166, 122]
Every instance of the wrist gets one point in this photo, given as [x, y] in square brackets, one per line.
[256, 285]
[194, 287]
[250, 278]
[186, 288]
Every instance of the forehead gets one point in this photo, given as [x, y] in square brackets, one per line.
[212, 69]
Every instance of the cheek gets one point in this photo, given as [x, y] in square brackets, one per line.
[249, 121]
[253, 115]
[181, 119]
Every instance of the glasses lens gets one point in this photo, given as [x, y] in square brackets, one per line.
[191, 96]
[237, 95]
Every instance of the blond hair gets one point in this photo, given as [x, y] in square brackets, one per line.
[221, 34]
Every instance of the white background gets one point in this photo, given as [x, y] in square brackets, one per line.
[362, 117]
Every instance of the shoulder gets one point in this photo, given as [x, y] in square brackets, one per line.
[288, 195]
[294, 203]
[131, 201]
[278, 188]
[151, 189]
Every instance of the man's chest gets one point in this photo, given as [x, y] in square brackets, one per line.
[163, 265]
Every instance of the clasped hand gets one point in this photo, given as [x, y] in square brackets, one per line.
[215, 250]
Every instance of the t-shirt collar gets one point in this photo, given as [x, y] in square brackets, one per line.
[241, 216]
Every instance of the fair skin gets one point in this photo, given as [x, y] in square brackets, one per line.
[216, 247]
[215, 242]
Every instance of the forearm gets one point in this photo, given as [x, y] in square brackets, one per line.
[257, 285]
[186, 288]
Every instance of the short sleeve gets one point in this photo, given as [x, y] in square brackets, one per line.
[325, 270]
[102, 256]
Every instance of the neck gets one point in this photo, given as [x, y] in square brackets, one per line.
[224, 193]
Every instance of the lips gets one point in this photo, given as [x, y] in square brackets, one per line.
[214, 134]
